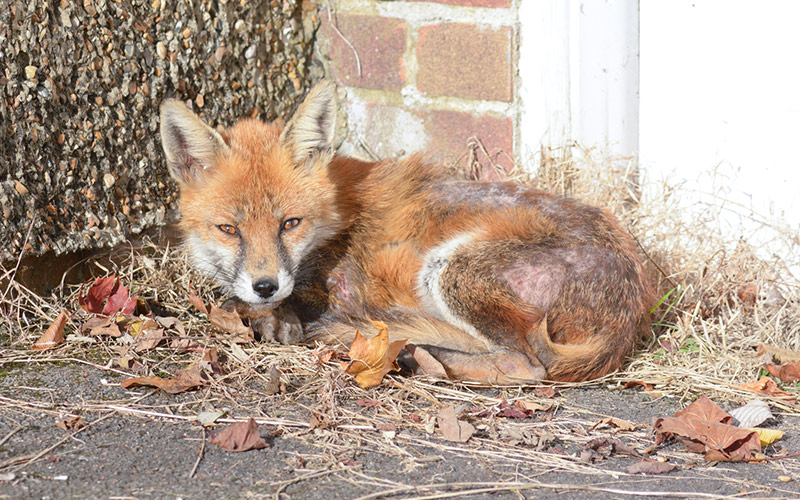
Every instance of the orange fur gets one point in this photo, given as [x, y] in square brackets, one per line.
[502, 283]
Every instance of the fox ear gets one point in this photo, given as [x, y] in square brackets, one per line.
[310, 130]
[190, 145]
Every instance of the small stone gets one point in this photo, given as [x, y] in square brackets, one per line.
[30, 72]
[20, 188]
[785, 479]
[187, 32]
[161, 50]
[219, 53]
[199, 100]
[108, 180]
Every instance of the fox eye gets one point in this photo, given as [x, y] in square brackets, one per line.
[291, 223]
[228, 229]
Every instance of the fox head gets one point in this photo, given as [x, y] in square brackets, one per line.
[256, 198]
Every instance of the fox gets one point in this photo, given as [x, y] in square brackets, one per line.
[499, 282]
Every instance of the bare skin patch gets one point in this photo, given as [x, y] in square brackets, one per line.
[538, 284]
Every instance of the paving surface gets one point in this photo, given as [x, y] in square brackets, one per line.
[122, 455]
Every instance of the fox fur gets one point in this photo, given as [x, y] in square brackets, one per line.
[500, 282]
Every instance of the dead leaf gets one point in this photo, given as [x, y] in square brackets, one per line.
[651, 468]
[196, 301]
[231, 322]
[789, 372]
[504, 409]
[107, 296]
[241, 436]
[700, 428]
[531, 406]
[71, 423]
[752, 414]
[767, 436]
[778, 354]
[544, 392]
[147, 334]
[623, 425]
[705, 409]
[186, 380]
[101, 326]
[54, 334]
[766, 385]
[368, 403]
[323, 354]
[274, 385]
[429, 365]
[453, 429]
[371, 359]
[637, 383]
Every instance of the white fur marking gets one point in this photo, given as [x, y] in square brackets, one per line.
[429, 289]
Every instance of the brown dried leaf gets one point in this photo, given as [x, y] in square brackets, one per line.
[427, 363]
[637, 383]
[371, 359]
[323, 354]
[699, 427]
[71, 423]
[101, 326]
[766, 385]
[274, 385]
[705, 409]
[231, 322]
[54, 334]
[241, 436]
[616, 422]
[196, 301]
[186, 380]
[778, 354]
[544, 392]
[147, 334]
[789, 372]
[452, 428]
[651, 468]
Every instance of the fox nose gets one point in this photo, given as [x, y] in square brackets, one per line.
[265, 288]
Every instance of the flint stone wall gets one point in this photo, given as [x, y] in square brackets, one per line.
[80, 86]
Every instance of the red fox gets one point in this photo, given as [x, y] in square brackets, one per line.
[501, 283]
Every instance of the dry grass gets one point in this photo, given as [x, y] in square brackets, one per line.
[721, 299]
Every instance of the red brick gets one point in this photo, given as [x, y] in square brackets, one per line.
[380, 44]
[472, 3]
[462, 60]
[450, 133]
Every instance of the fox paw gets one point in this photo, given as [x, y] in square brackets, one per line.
[280, 326]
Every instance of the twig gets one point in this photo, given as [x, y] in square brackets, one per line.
[8, 436]
[199, 455]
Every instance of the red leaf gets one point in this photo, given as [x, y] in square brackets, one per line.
[651, 468]
[789, 372]
[107, 296]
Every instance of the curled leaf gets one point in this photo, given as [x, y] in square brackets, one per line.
[767, 436]
[186, 380]
[54, 334]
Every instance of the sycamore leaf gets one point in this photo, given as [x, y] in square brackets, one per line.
[371, 359]
[453, 429]
[651, 468]
[778, 354]
[54, 334]
[186, 380]
[789, 372]
[240, 436]
[766, 385]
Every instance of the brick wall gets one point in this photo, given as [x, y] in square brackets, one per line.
[425, 76]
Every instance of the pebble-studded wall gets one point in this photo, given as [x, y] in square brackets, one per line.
[80, 86]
